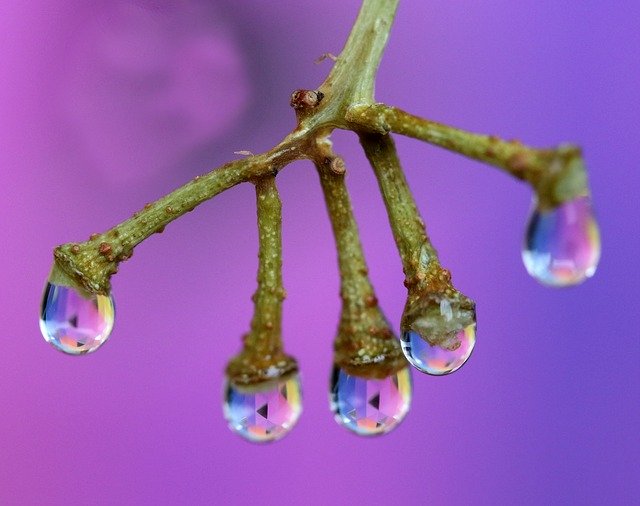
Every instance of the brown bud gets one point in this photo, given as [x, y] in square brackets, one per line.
[104, 248]
[337, 166]
[306, 99]
[518, 162]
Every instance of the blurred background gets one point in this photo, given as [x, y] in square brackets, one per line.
[107, 105]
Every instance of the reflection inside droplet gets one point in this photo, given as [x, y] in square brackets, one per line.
[562, 245]
[265, 412]
[370, 406]
[446, 356]
[75, 323]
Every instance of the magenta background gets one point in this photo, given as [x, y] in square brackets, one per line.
[107, 105]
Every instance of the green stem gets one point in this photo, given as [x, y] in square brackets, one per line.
[266, 325]
[344, 100]
[428, 283]
[352, 78]
[408, 228]
[355, 288]
[89, 265]
[365, 345]
[262, 357]
[557, 174]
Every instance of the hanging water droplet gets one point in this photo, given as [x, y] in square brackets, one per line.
[370, 406]
[73, 322]
[562, 245]
[263, 413]
[445, 356]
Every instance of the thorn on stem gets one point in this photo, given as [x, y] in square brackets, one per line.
[325, 56]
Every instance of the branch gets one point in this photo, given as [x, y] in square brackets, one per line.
[365, 345]
[557, 175]
[89, 265]
[262, 357]
[427, 282]
[355, 288]
[352, 78]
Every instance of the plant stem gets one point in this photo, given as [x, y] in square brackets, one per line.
[355, 288]
[424, 276]
[360, 57]
[407, 225]
[267, 317]
[262, 357]
[431, 295]
[364, 345]
[89, 265]
[557, 175]
[344, 100]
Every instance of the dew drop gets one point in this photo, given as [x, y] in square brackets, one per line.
[562, 246]
[265, 412]
[75, 323]
[370, 406]
[444, 357]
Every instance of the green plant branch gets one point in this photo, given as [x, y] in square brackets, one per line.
[406, 224]
[557, 174]
[262, 357]
[267, 318]
[428, 283]
[344, 100]
[89, 265]
[355, 288]
[360, 57]
[365, 344]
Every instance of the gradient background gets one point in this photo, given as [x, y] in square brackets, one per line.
[109, 104]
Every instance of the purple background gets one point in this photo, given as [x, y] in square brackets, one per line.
[107, 105]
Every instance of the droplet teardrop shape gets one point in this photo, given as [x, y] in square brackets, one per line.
[444, 357]
[370, 407]
[75, 323]
[263, 413]
[562, 245]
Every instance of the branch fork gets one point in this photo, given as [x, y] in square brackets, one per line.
[345, 100]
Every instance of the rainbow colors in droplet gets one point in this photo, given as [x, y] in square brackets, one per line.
[74, 323]
[370, 406]
[562, 246]
[439, 360]
[265, 412]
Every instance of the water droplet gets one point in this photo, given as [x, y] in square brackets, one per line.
[446, 356]
[75, 323]
[562, 246]
[264, 412]
[370, 406]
